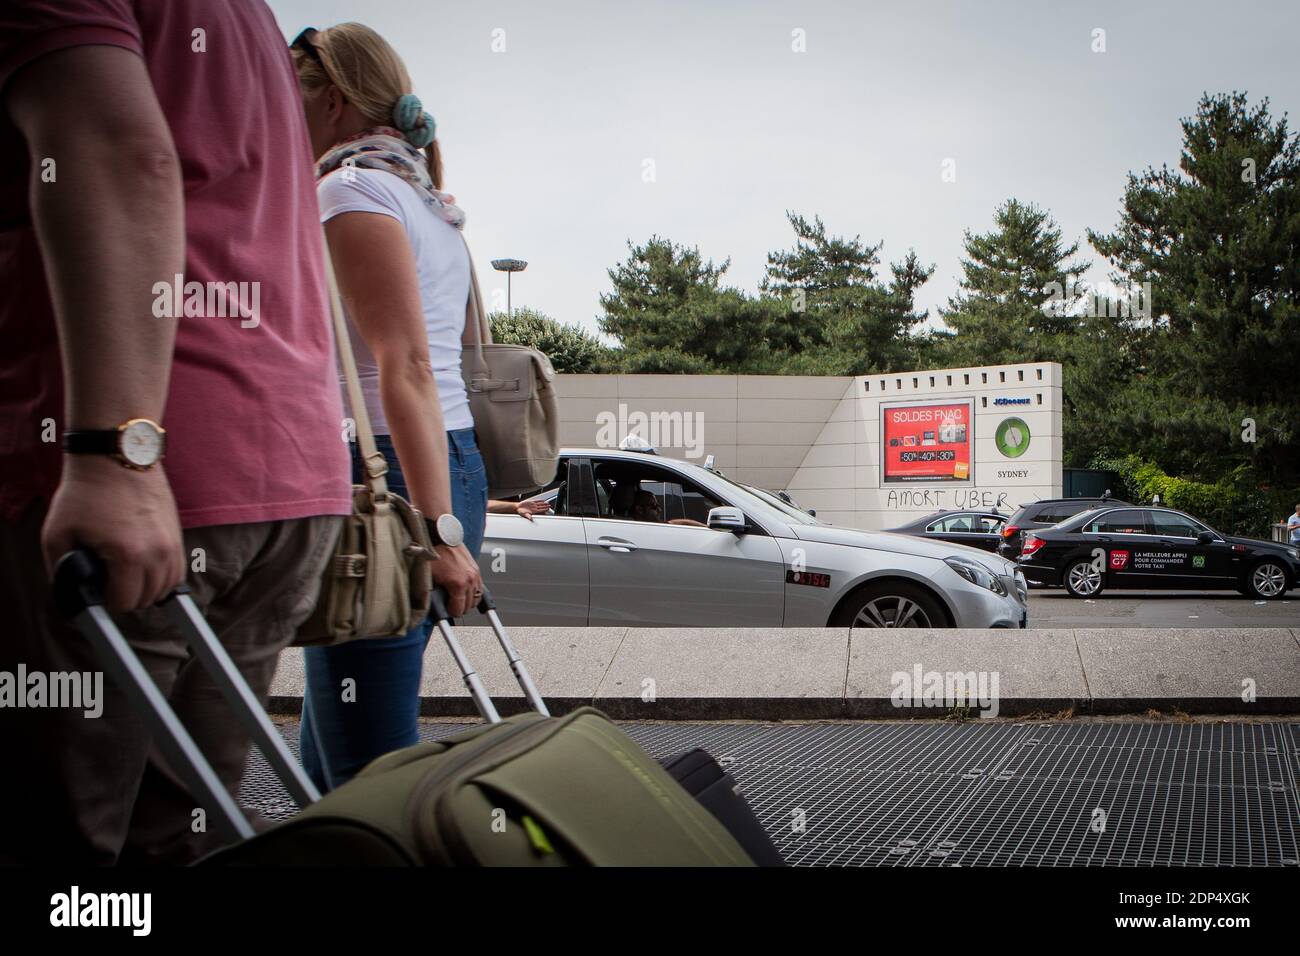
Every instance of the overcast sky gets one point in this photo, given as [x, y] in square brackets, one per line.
[546, 143]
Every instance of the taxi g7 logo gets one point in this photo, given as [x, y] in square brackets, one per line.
[1198, 560]
[1118, 560]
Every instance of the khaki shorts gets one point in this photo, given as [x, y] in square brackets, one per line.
[87, 790]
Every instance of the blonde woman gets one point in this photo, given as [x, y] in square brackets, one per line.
[403, 273]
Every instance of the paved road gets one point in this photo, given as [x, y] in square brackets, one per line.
[988, 792]
[1054, 608]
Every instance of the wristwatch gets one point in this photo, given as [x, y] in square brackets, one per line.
[445, 529]
[137, 443]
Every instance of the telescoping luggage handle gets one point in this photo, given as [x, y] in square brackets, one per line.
[78, 595]
[441, 616]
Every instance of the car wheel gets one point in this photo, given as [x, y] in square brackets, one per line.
[1266, 580]
[891, 604]
[1083, 579]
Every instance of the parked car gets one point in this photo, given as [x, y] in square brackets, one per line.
[1152, 548]
[736, 556]
[1044, 514]
[977, 529]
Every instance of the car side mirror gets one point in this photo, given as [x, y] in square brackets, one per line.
[727, 519]
[1206, 537]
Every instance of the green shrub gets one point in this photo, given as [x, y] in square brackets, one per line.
[1234, 505]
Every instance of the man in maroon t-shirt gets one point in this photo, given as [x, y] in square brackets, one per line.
[161, 292]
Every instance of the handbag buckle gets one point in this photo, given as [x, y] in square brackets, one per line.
[350, 565]
[376, 470]
[493, 384]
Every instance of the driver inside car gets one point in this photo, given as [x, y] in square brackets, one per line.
[645, 507]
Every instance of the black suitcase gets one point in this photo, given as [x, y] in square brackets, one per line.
[702, 777]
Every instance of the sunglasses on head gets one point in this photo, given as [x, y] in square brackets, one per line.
[303, 42]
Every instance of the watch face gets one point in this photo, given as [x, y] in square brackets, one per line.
[450, 531]
[141, 443]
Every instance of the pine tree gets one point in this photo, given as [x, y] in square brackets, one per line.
[1218, 240]
[1018, 292]
[841, 318]
[672, 315]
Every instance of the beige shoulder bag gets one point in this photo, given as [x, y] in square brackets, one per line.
[378, 582]
[512, 398]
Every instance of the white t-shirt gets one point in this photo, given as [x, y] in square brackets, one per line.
[442, 265]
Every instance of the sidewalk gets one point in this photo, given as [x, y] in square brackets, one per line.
[832, 673]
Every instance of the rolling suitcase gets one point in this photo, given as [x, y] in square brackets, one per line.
[531, 790]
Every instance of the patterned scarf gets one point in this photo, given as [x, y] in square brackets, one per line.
[383, 147]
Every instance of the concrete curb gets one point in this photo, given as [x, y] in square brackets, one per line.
[832, 673]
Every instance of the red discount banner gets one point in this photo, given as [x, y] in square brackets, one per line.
[926, 442]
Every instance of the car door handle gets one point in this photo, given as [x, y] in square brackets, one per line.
[616, 544]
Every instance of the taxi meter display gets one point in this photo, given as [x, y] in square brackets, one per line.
[926, 442]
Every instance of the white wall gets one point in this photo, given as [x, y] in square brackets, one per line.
[819, 437]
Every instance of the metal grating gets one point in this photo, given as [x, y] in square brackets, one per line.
[986, 794]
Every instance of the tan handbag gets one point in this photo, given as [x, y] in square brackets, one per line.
[378, 582]
[512, 398]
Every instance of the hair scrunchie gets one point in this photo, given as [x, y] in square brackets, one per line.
[415, 124]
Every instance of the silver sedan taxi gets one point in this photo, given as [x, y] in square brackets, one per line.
[634, 538]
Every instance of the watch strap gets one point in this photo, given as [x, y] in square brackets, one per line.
[432, 525]
[436, 538]
[99, 442]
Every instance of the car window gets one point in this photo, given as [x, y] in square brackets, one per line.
[617, 485]
[1077, 522]
[1168, 523]
[556, 492]
[987, 524]
[1120, 522]
[952, 523]
[695, 504]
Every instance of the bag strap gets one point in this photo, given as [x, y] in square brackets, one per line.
[476, 318]
[374, 464]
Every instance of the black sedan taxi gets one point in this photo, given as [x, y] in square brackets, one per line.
[977, 529]
[1154, 548]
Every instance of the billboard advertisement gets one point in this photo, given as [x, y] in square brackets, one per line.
[927, 441]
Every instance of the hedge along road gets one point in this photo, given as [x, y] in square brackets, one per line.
[1052, 607]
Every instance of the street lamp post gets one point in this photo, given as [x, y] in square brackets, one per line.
[509, 266]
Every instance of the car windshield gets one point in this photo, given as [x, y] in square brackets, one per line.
[1078, 521]
[787, 512]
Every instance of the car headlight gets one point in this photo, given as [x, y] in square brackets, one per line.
[977, 574]
[1294, 552]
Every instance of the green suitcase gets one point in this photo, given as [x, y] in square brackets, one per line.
[531, 790]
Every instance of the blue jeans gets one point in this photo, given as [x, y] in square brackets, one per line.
[345, 726]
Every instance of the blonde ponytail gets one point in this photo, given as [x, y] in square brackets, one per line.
[369, 74]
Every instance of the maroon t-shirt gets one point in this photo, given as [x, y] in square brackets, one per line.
[253, 416]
